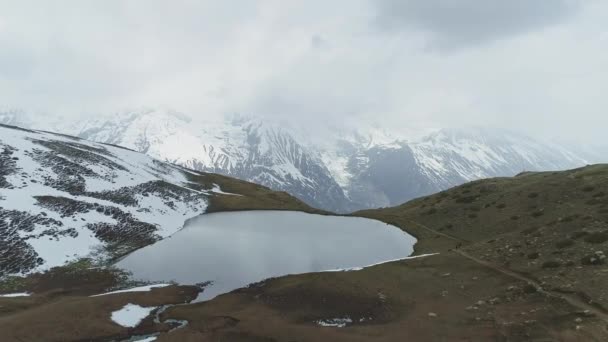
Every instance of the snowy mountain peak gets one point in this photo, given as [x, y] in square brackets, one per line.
[334, 168]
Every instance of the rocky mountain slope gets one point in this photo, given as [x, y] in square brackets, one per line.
[64, 198]
[346, 171]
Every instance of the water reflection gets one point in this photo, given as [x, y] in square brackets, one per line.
[236, 249]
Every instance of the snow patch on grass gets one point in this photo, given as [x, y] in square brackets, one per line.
[145, 288]
[131, 315]
[335, 322]
[379, 263]
[12, 295]
[216, 188]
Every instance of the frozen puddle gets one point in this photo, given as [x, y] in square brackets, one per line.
[131, 315]
[232, 250]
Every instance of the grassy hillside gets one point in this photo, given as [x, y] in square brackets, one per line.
[552, 226]
[251, 196]
[519, 259]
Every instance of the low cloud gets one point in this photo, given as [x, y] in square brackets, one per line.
[453, 24]
[532, 65]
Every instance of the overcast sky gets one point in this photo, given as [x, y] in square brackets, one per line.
[536, 65]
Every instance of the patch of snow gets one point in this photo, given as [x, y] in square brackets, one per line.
[144, 288]
[337, 164]
[216, 188]
[379, 263]
[335, 322]
[147, 339]
[19, 294]
[131, 315]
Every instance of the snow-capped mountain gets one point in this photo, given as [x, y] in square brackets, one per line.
[63, 198]
[350, 170]
[390, 174]
[14, 117]
[244, 148]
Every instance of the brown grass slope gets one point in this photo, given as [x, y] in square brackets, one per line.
[252, 196]
[520, 260]
[552, 226]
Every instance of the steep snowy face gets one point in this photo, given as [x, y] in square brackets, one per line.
[249, 149]
[471, 154]
[277, 160]
[338, 169]
[13, 117]
[375, 171]
[64, 198]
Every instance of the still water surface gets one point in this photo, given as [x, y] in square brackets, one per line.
[235, 249]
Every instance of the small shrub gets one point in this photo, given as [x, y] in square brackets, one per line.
[466, 199]
[514, 217]
[578, 235]
[538, 213]
[472, 216]
[593, 201]
[431, 211]
[529, 288]
[597, 237]
[529, 231]
[551, 264]
[564, 243]
[570, 218]
[532, 195]
[593, 259]
[533, 255]
[588, 188]
[599, 194]
[501, 206]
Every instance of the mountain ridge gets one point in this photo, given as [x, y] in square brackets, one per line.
[348, 171]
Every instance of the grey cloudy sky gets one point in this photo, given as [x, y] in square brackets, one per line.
[536, 65]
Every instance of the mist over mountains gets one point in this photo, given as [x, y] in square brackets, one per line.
[344, 171]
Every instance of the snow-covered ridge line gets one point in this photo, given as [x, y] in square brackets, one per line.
[334, 168]
[64, 198]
